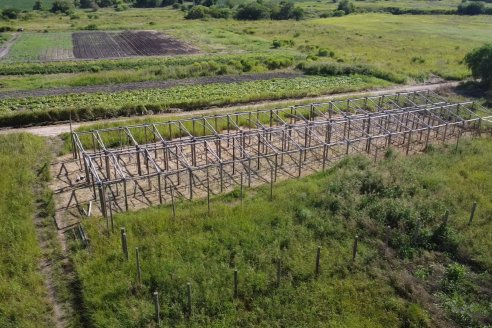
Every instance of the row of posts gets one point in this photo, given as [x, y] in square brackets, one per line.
[278, 264]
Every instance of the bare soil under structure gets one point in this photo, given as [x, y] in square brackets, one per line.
[127, 168]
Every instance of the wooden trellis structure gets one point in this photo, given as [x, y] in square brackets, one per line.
[123, 168]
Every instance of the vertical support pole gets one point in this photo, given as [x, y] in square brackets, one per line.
[157, 308]
[124, 243]
[354, 250]
[271, 183]
[208, 192]
[279, 270]
[241, 189]
[188, 297]
[139, 271]
[159, 184]
[235, 283]
[318, 255]
[472, 213]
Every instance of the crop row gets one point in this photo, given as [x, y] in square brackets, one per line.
[7, 68]
[19, 112]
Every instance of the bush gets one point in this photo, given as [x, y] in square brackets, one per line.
[287, 10]
[61, 6]
[480, 63]
[471, 8]
[338, 13]
[346, 6]
[37, 5]
[10, 13]
[253, 11]
[217, 12]
[197, 12]
[5, 29]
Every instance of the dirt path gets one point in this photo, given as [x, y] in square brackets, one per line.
[5, 48]
[120, 87]
[54, 130]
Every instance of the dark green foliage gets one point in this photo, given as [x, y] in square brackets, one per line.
[38, 5]
[287, 10]
[197, 12]
[10, 13]
[61, 6]
[330, 69]
[471, 8]
[346, 6]
[253, 11]
[480, 63]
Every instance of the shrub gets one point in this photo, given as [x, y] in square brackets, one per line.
[37, 5]
[338, 13]
[10, 13]
[61, 6]
[197, 12]
[480, 63]
[6, 29]
[217, 12]
[471, 8]
[276, 44]
[91, 27]
[253, 11]
[346, 6]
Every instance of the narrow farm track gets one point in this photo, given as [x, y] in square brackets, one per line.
[5, 48]
[110, 88]
[57, 129]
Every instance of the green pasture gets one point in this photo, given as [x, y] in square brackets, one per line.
[23, 300]
[328, 209]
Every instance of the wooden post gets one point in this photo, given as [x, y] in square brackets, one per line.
[124, 243]
[318, 255]
[387, 236]
[446, 218]
[157, 308]
[277, 283]
[241, 189]
[271, 184]
[139, 271]
[188, 297]
[235, 283]
[173, 202]
[208, 193]
[354, 250]
[472, 214]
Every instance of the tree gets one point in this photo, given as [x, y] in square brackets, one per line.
[347, 6]
[61, 6]
[197, 12]
[11, 13]
[253, 11]
[471, 8]
[480, 63]
[37, 5]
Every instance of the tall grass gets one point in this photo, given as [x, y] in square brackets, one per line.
[22, 293]
[327, 209]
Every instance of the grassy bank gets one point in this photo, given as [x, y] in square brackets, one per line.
[18, 112]
[328, 209]
[23, 296]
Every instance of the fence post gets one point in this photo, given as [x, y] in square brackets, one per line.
[318, 255]
[157, 308]
[472, 214]
[124, 243]
[354, 250]
[188, 297]
[139, 271]
[235, 283]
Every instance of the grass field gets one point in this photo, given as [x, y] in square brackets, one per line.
[42, 46]
[416, 46]
[327, 209]
[23, 295]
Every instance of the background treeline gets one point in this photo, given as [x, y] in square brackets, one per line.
[245, 10]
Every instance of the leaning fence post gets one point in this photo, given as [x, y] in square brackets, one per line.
[472, 214]
[318, 255]
[354, 250]
[446, 218]
[157, 308]
[139, 271]
[124, 243]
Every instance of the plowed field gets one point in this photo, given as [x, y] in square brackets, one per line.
[92, 45]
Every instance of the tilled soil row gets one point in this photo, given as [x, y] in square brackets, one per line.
[147, 85]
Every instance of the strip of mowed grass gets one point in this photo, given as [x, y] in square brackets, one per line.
[355, 197]
[22, 292]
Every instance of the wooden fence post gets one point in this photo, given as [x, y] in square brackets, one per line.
[235, 283]
[157, 308]
[139, 271]
[472, 214]
[124, 243]
[318, 255]
[354, 250]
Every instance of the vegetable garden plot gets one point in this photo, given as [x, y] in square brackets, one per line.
[93, 45]
[126, 168]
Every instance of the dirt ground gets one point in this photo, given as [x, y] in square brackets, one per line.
[94, 45]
